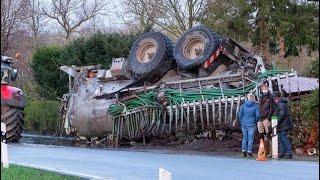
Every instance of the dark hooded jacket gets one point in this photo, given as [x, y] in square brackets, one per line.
[249, 114]
[282, 113]
[266, 105]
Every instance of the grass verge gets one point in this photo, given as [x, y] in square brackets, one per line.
[25, 173]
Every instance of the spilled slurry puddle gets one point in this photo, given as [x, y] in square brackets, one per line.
[62, 141]
[48, 140]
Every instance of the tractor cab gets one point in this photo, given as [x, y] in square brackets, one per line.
[8, 73]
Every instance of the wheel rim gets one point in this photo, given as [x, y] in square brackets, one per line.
[193, 47]
[146, 50]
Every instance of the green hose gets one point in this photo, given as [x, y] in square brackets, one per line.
[177, 97]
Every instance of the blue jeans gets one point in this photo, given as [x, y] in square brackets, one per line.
[285, 146]
[247, 138]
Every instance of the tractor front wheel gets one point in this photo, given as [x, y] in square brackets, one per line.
[13, 118]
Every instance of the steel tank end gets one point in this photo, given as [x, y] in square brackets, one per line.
[92, 120]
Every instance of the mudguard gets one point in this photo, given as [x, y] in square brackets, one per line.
[12, 96]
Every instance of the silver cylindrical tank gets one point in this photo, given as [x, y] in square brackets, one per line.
[88, 115]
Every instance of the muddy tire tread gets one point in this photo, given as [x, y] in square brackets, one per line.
[14, 120]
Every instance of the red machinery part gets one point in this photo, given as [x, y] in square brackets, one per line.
[12, 96]
[213, 57]
[7, 91]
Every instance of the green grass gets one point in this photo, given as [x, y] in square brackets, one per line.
[15, 172]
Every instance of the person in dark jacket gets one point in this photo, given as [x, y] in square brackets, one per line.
[284, 125]
[248, 116]
[266, 105]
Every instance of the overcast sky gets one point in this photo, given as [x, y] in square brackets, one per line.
[115, 17]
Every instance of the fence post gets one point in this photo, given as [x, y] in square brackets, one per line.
[164, 174]
[274, 123]
[4, 148]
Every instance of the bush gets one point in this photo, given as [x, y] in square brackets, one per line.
[45, 64]
[310, 106]
[310, 103]
[300, 125]
[97, 49]
[313, 69]
[42, 117]
[306, 112]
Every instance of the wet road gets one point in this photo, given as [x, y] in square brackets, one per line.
[132, 165]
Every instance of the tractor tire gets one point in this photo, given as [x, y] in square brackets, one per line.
[13, 118]
[195, 46]
[151, 56]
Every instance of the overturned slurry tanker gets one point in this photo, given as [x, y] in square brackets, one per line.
[197, 84]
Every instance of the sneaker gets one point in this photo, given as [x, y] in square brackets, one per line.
[288, 156]
[250, 155]
[244, 154]
[281, 156]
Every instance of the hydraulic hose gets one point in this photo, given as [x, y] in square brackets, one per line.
[177, 97]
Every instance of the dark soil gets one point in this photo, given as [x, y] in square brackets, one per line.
[189, 144]
[180, 143]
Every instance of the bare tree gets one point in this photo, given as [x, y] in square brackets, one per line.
[178, 16]
[35, 20]
[13, 15]
[71, 14]
[173, 16]
[35, 17]
[145, 13]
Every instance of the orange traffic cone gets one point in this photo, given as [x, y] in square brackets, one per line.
[261, 152]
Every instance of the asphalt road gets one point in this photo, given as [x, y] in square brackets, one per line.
[132, 165]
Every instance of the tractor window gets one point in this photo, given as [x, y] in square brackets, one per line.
[5, 76]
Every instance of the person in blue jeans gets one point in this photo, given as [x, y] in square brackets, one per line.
[248, 115]
[284, 125]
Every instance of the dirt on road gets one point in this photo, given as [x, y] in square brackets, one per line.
[180, 143]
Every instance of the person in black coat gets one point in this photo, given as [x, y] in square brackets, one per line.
[266, 105]
[284, 125]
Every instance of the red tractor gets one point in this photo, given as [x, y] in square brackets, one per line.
[12, 100]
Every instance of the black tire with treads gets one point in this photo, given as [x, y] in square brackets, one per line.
[13, 118]
[159, 64]
[212, 42]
